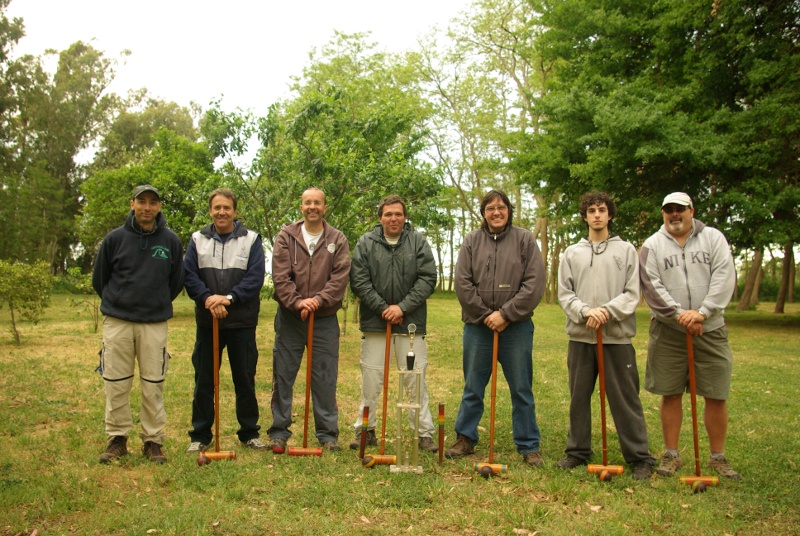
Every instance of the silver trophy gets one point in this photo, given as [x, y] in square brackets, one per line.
[408, 398]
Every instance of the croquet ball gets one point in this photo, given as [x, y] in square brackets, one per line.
[605, 476]
[699, 487]
[203, 460]
[368, 461]
[486, 471]
[278, 450]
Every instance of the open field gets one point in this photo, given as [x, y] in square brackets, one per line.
[51, 410]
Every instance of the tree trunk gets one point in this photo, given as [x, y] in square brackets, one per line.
[786, 270]
[792, 279]
[750, 281]
[757, 288]
[13, 323]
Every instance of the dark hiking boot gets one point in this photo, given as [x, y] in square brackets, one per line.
[117, 448]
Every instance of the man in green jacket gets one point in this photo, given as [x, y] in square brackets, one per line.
[393, 274]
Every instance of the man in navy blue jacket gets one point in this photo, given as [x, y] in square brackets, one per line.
[224, 274]
[137, 273]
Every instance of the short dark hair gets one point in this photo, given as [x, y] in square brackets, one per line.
[225, 192]
[390, 200]
[490, 196]
[598, 198]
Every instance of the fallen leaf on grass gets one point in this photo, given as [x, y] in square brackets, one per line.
[629, 490]
[365, 520]
[686, 506]
[119, 503]
[729, 516]
[152, 531]
[525, 531]
[595, 508]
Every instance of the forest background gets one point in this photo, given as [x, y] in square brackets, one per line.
[545, 99]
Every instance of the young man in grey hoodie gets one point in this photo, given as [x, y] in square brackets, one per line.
[598, 288]
[688, 277]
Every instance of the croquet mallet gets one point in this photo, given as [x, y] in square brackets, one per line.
[441, 431]
[490, 468]
[691, 480]
[207, 457]
[305, 450]
[604, 472]
[371, 460]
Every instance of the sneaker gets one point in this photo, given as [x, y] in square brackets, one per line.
[723, 467]
[255, 444]
[332, 446]
[153, 452]
[277, 445]
[533, 458]
[641, 470]
[196, 446]
[669, 464]
[117, 448]
[427, 444]
[372, 441]
[462, 447]
[570, 462]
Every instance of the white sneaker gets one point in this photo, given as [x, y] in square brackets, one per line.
[196, 446]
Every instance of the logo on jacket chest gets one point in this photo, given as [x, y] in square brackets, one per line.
[160, 252]
[695, 257]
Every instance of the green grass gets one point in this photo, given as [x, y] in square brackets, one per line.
[51, 410]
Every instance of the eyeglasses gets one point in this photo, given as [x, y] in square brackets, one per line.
[498, 208]
[669, 209]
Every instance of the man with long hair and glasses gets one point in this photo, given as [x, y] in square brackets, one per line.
[500, 279]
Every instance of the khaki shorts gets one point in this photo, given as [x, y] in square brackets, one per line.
[667, 370]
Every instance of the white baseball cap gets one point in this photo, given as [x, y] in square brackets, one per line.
[678, 198]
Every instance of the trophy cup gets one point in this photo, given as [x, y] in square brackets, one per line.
[408, 398]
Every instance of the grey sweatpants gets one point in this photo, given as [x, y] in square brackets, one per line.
[290, 341]
[622, 397]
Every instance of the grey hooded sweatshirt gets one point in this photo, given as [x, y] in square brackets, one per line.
[700, 275]
[604, 276]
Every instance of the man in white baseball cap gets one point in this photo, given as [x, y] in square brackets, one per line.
[686, 254]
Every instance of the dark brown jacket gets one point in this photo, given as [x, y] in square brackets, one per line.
[324, 276]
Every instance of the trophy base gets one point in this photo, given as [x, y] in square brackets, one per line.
[405, 469]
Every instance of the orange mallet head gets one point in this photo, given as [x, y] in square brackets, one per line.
[305, 451]
[707, 480]
[490, 469]
[597, 469]
[371, 460]
[206, 457]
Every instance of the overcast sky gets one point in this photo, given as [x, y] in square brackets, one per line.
[243, 50]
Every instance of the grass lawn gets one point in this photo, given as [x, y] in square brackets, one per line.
[51, 434]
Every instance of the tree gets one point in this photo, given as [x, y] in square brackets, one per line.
[53, 118]
[25, 289]
[182, 170]
[355, 129]
[657, 96]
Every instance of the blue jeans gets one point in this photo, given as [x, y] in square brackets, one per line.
[515, 355]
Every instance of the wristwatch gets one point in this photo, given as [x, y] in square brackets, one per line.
[230, 298]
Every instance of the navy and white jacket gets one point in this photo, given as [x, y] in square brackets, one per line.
[700, 275]
[235, 266]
